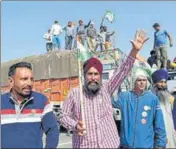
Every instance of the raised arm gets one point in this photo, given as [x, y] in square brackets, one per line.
[110, 34]
[122, 72]
[86, 26]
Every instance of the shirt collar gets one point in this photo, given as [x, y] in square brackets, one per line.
[31, 97]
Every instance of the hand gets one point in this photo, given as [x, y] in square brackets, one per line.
[139, 40]
[79, 128]
[171, 45]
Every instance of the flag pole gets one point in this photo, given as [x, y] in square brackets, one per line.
[81, 92]
[103, 18]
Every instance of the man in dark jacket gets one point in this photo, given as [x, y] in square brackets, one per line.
[25, 114]
[152, 59]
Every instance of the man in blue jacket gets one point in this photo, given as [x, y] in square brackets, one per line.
[142, 124]
[25, 114]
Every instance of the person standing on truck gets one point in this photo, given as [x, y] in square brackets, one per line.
[69, 35]
[159, 88]
[56, 31]
[81, 32]
[141, 116]
[101, 39]
[160, 45]
[26, 114]
[108, 38]
[91, 36]
[101, 131]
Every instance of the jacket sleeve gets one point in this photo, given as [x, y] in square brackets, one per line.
[50, 126]
[117, 103]
[120, 74]
[159, 127]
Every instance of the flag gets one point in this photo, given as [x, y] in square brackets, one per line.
[109, 16]
[83, 53]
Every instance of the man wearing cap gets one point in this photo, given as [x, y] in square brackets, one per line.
[141, 116]
[101, 131]
[159, 87]
[160, 45]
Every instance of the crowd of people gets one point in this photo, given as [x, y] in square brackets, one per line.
[86, 34]
[146, 114]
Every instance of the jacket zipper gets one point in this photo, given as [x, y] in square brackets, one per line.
[135, 122]
[21, 108]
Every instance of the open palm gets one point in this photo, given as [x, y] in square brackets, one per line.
[139, 40]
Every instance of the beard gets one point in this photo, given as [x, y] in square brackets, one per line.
[92, 87]
[163, 94]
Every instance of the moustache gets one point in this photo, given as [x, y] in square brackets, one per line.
[91, 83]
[28, 87]
[162, 88]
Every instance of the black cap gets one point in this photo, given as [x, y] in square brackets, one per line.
[156, 25]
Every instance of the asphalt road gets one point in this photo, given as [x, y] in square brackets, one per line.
[65, 141]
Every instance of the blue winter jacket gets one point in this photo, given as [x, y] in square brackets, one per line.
[142, 124]
[24, 128]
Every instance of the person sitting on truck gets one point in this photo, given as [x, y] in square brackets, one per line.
[26, 114]
[48, 37]
[101, 131]
[152, 59]
[141, 116]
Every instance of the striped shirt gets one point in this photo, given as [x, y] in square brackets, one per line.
[101, 131]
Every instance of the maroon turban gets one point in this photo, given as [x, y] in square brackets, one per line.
[93, 62]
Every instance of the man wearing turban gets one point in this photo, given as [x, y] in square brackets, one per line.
[141, 116]
[159, 87]
[101, 131]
